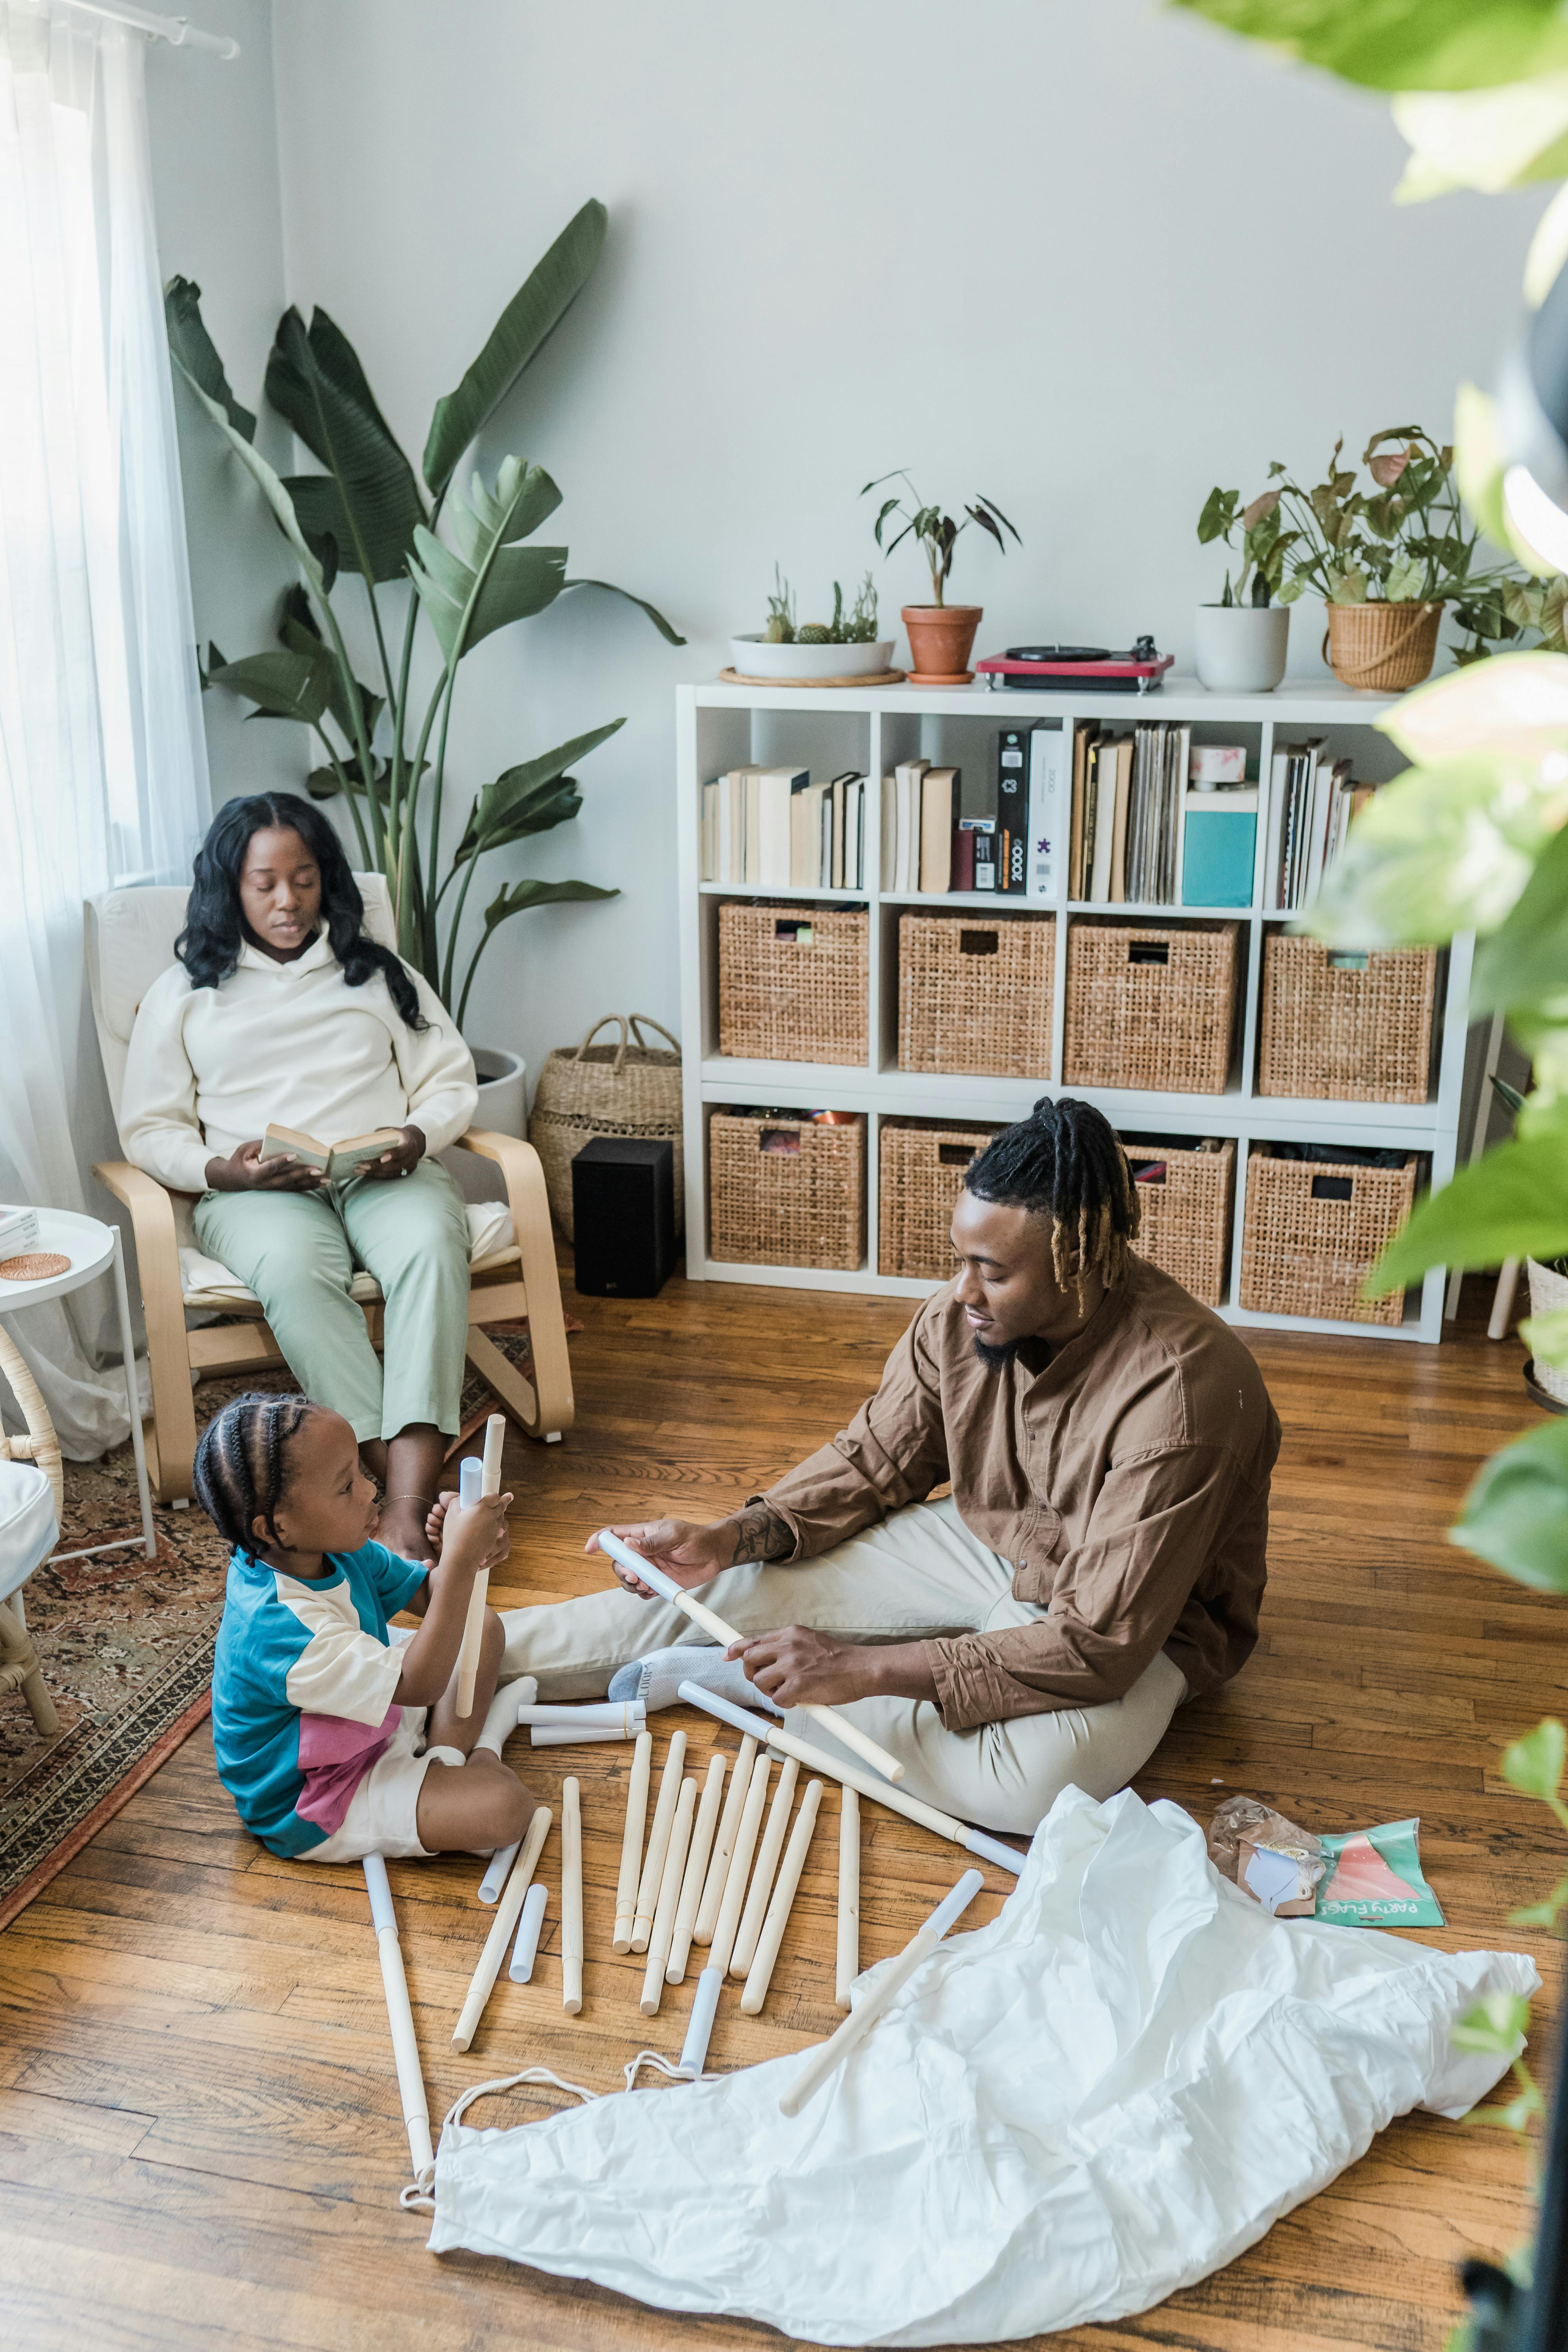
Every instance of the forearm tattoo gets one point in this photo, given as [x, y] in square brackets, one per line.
[763, 1534]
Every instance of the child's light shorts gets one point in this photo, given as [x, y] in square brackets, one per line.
[382, 1812]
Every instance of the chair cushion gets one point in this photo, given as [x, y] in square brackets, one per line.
[28, 1527]
[206, 1283]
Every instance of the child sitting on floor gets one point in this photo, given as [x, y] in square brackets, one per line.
[335, 1735]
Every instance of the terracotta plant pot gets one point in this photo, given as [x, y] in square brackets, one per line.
[940, 636]
[1383, 648]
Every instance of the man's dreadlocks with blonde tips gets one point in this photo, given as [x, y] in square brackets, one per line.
[1064, 1161]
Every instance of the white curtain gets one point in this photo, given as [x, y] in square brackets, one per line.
[103, 758]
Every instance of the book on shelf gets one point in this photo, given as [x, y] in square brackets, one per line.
[939, 807]
[901, 825]
[337, 1162]
[774, 829]
[981, 830]
[1047, 753]
[1101, 850]
[1012, 810]
[963, 874]
[1125, 840]
[1084, 737]
[774, 790]
[1312, 802]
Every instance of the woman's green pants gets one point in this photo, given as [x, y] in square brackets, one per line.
[300, 1251]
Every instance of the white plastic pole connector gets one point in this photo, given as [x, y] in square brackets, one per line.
[700, 2024]
[501, 1926]
[658, 1842]
[847, 1958]
[701, 1615]
[525, 1952]
[501, 1861]
[709, 1984]
[631, 1843]
[696, 1869]
[826, 2059]
[724, 1844]
[817, 1759]
[489, 1475]
[400, 2018]
[571, 1897]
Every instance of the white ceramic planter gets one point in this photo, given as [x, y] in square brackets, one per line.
[754, 658]
[1241, 648]
[503, 1090]
[1548, 1290]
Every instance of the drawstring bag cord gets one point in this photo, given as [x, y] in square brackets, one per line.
[418, 2197]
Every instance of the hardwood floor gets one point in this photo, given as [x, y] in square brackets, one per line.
[200, 2143]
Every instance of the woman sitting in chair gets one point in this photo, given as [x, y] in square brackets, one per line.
[280, 1011]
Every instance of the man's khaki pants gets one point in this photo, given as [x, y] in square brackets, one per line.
[919, 1573]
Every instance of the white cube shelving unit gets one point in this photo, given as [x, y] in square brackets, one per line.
[719, 726]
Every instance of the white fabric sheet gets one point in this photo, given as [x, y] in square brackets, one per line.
[1103, 2095]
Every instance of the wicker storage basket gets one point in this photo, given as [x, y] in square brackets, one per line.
[976, 995]
[793, 983]
[585, 1090]
[1384, 647]
[1345, 1027]
[786, 1192]
[1150, 1009]
[1185, 1222]
[1311, 1232]
[920, 1173]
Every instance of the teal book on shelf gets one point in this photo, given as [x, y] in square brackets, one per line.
[1219, 848]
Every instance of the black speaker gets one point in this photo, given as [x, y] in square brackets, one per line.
[623, 1212]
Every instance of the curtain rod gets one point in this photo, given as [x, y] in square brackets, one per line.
[178, 31]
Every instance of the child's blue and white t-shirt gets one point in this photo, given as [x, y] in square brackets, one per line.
[302, 1689]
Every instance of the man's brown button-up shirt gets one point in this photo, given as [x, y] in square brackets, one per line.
[1127, 1483]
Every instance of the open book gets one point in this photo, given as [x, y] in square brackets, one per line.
[337, 1162]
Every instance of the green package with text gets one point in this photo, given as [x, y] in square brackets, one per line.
[1375, 1879]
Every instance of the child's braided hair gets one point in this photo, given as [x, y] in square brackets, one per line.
[1064, 1161]
[240, 1471]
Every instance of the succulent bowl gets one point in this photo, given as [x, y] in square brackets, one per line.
[753, 657]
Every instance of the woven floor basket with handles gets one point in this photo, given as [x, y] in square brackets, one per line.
[632, 1088]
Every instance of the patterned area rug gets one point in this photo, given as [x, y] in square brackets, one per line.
[126, 1646]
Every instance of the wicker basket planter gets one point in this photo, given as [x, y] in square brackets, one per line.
[786, 1192]
[1383, 648]
[920, 1171]
[1345, 1027]
[793, 983]
[1184, 1221]
[1311, 1232]
[1150, 1009]
[974, 994]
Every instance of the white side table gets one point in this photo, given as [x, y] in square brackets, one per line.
[92, 1247]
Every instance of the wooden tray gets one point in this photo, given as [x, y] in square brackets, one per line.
[871, 677]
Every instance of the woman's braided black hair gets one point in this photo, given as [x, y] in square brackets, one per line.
[1064, 1161]
[210, 944]
[240, 1469]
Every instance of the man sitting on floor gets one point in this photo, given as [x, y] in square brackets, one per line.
[1100, 1559]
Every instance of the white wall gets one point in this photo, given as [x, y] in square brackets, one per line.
[1089, 259]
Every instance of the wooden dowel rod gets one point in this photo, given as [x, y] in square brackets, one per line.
[762, 1885]
[760, 1973]
[701, 1615]
[663, 1929]
[501, 1926]
[658, 1842]
[474, 1622]
[399, 2017]
[631, 1843]
[724, 1844]
[696, 1870]
[571, 1897]
[847, 1961]
[734, 1897]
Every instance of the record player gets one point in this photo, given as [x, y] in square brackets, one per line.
[1138, 671]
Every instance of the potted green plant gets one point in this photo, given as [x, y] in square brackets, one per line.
[845, 646]
[1240, 643]
[941, 636]
[366, 517]
[1385, 560]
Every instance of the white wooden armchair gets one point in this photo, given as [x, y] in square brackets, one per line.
[131, 937]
